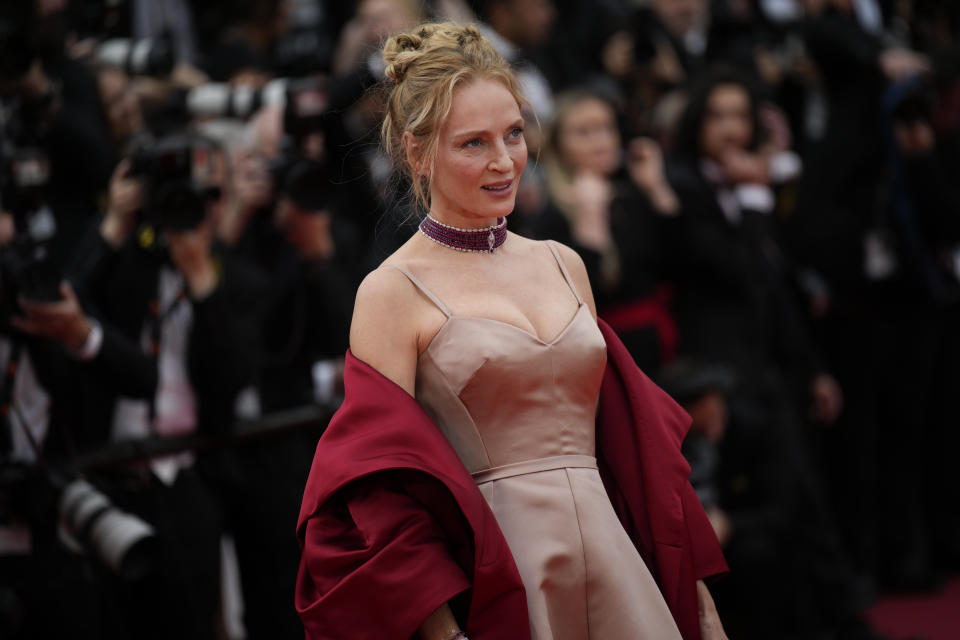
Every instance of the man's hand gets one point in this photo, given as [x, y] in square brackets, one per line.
[741, 167]
[190, 253]
[898, 64]
[915, 139]
[63, 321]
[827, 399]
[8, 228]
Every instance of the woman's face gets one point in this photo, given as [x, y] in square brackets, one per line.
[727, 123]
[589, 141]
[480, 156]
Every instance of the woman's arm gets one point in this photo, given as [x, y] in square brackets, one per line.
[384, 333]
[441, 625]
[710, 626]
[384, 329]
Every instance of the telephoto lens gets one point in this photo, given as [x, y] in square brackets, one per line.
[221, 100]
[89, 521]
[137, 57]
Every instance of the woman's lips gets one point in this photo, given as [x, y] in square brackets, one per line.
[498, 188]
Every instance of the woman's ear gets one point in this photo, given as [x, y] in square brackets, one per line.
[414, 153]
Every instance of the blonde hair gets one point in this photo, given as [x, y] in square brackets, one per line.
[425, 65]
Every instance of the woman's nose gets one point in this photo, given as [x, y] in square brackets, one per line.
[501, 160]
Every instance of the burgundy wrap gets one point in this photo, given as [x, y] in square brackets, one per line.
[392, 525]
[647, 479]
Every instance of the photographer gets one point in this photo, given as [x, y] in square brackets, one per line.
[58, 98]
[165, 353]
[283, 223]
[44, 589]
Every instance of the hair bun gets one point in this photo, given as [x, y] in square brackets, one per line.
[402, 49]
[469, 34]
[395, 71]
[398, 52]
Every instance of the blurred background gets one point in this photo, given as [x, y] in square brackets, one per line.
[766, 194]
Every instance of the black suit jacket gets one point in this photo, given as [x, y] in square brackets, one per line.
[733, 302]
[118, 288]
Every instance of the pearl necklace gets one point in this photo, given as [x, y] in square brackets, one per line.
[483, 240]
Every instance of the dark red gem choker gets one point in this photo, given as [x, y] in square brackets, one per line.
[483, 240]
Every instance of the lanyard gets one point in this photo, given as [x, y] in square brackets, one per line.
[156, 319]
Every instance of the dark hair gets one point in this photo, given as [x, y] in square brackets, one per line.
[686, 143]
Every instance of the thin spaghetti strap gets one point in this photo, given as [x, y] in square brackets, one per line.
[423, 288]
[563, 269]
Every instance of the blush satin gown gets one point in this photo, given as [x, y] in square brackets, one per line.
[520, 413]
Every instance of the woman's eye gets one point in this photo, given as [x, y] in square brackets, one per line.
[472, 142]
[516, 132]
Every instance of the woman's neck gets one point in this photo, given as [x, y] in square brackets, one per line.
[460, 221]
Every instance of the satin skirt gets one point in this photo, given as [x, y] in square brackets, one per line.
[582, 574]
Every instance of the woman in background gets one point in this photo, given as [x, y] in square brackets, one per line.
[735, 306]
[613, 208]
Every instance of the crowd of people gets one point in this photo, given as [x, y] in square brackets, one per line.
[764, 194]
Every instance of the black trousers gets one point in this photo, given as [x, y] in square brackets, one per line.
[48, 594]
[180, 596]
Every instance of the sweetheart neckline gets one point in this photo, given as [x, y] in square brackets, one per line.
[525, 332]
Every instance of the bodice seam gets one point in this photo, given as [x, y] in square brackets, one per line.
[583, 551]
[466, 411]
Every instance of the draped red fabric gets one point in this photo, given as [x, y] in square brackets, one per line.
[647, 480]
[392, 525]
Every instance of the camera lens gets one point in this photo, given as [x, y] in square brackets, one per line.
[88, 520]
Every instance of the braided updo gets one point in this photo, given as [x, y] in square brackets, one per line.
[425, 65]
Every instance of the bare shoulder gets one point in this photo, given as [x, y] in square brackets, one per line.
[383, 288]
[578, 273]
[383, 330]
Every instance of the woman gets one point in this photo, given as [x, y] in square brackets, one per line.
[458, 483]
[730, 276]
[734, 306]
[614, 214]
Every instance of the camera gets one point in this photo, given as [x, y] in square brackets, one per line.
[179, 174]
[26, 267]
[88, 520]
[84, 519]
[146, 57]
[302, 170]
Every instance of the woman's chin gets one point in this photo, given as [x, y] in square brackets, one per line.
[501, 210]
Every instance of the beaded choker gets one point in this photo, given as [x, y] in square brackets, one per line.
[483, 240]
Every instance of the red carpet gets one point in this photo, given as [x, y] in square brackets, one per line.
[931, 616]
